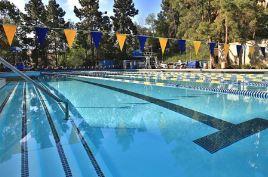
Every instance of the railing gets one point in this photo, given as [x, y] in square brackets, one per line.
[38, 85]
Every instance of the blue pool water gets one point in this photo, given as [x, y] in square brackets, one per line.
[131, 129]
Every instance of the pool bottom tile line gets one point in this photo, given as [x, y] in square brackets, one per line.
[88, 150]
[227, 135]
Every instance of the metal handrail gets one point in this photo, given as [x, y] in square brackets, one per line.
[38, 85]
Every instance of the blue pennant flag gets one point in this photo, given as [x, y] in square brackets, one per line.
[142, 40]
[212, 46]
[41, 34]
[182, 45]
[263, 51]
[96, 36]
[238, 49]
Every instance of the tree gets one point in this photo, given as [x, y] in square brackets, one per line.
[36, 15]
[124, 11]
[55, 19]
[151, 22]
[90, 19]
[8, 14]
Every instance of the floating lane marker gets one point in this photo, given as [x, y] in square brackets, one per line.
[147, 83]
[160, 84]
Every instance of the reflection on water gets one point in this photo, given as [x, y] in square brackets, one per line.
[117, 130]
[10, 126]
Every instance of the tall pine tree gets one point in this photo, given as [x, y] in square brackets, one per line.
[90, 19]
[55, 19]
[36, 15]
[124, 12]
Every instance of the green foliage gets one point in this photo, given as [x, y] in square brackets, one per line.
[124, 11]
[206, 20]
[218, 20]
[190, 54]
[75, 58]
[55, 19]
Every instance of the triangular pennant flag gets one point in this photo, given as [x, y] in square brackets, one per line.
[182, 45]
[263, 51]
[238, 49]
[163, 44]
[70, 36]
[197, 45]
[212, 46]
[226, 49]
[251, 50]
[142, 40]
[96, 36]
[121, 38]
[41, 34]
[10, 31]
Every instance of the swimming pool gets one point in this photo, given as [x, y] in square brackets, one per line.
[130, 129]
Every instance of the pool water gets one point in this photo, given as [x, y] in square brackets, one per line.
[128, 130]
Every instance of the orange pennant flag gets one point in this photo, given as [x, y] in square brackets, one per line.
[10, 31]
[121, 38]
[251, 50]
[226, 49]
[197, 45]
[70, 36]
[163, 44]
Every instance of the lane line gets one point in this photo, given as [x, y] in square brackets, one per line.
[7, 98]
[24, 145]
[81, 137]
[63, 158]
[198, 116]
[229, 133]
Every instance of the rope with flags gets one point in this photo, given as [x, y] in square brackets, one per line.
[70, 34]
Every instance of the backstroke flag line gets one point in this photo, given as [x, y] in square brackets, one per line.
[263, 51]
[197, 45]
[163, 44]
[212, 46]
[10, 31]
[41, 34]
[182, 46]
[70, 36]
[251, 50]
[96, 36]
[238, 49]
[226, 49]
[142, 40]
[121, 38]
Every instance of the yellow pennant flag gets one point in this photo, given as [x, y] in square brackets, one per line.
[121, 38]
[197, 45]
[163, 44]
[251, 50]
[10, 31]
[70, 36]
[226, 49]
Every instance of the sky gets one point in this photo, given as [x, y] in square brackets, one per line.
[145, 7]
